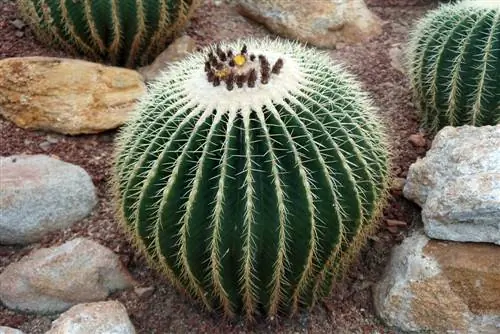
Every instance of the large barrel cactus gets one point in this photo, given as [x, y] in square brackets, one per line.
[453, 61]
[251, 174]
[123, 32]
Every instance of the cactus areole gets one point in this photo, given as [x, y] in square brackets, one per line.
[453, 62]
[251, 174]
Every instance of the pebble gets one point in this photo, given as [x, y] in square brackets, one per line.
[398, 184]
[18, 24]
[417, 140]
[45, 145]
[144, 292]
[396, 223]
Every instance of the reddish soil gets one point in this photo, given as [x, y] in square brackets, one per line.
[349, 308]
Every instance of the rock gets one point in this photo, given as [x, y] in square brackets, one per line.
[396, 56]
[398, 184]
[97, 318]
[51, 280]
[8, 330]
[69, 96]
[441, 287]
[18, 24]
[319, 23]
[45, 146]
[179, 49]
[457, 185]
[396, 223]
[144, 292]
[417, 140]
[39, 195]
[394, 226]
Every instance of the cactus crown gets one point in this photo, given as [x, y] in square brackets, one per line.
[255, 191]
[238, 78]
[241, 68]
[124, 32]
[453, 61]
[482, 4]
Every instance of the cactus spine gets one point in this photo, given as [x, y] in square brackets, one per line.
[453, 61]
[123, 32]
[251, 174]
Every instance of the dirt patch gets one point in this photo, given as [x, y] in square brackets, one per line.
[349, 308]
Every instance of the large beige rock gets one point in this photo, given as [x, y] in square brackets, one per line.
[97, 318]
[321, 23]
[176, 51]
[51, 280]
[441, 287]
[67, 95]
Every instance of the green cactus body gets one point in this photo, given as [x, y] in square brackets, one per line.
[453, 61]
[251, 175]
[123, 32]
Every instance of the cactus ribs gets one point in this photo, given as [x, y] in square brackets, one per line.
[239, 68]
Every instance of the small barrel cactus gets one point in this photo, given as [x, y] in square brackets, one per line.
[251, 174]
[123, 32]
[453, 61]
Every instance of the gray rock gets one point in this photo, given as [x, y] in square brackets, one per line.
[323, 23]
[39, 195]
[441, 287]
[457, 185]
[97, 318]
[51, 280]
[18, 24]
[8, 330]
[176, 51]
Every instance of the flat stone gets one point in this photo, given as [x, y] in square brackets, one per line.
[69, 96]
[441, 287]
[319, 23]
[144, 292]
[51, 280]
[457, 185]
[176, 51]
[39, 195]
[97, 318]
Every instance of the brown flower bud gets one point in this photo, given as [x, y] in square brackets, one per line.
[230, 81]
[252, 78]
[277, 66]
